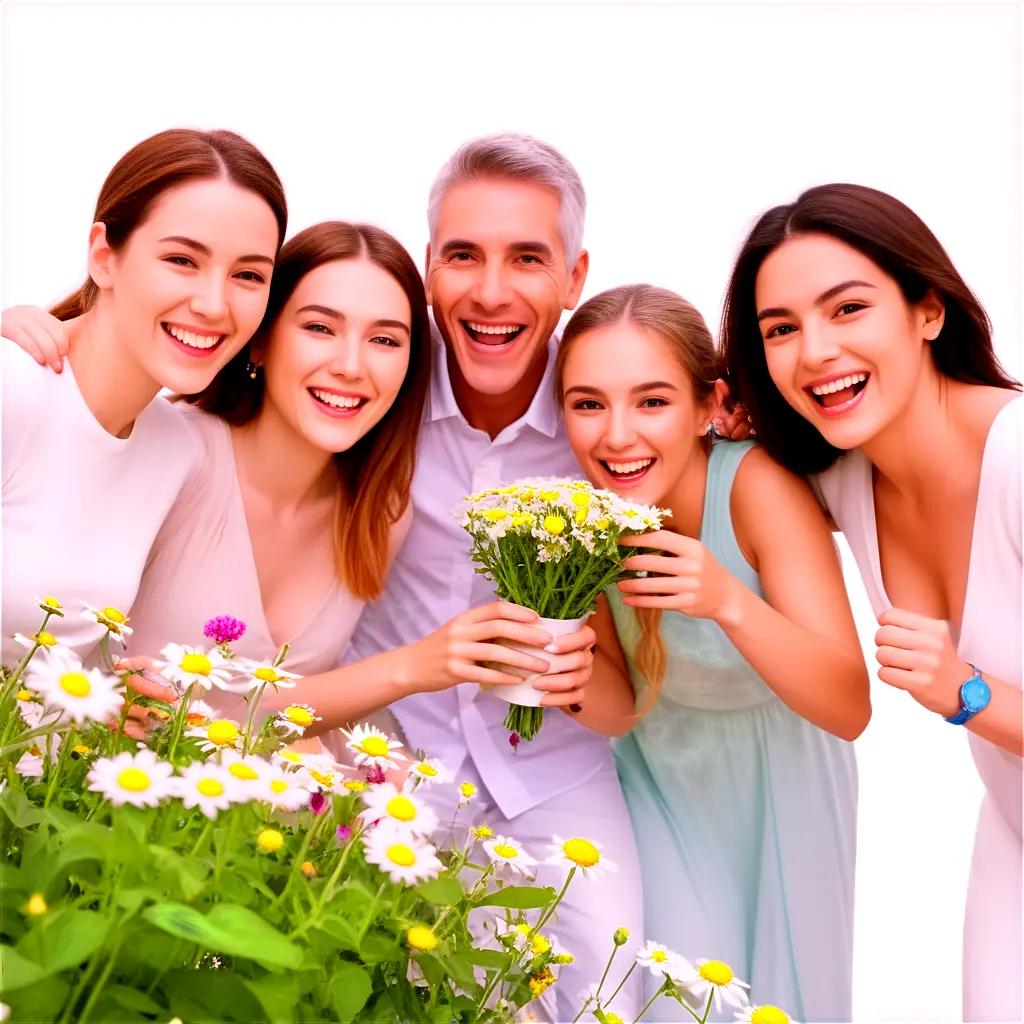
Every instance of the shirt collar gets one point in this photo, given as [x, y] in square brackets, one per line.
[542, 414]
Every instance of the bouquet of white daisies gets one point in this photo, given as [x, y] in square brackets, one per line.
[551, 545]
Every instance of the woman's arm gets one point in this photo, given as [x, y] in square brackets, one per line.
[800, 638]
[609, 704]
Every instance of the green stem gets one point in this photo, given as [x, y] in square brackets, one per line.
[552, 907]
[625, 978]
[179, 722]
[640, 1016]
[66, 744]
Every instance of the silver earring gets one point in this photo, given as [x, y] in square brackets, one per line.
[252, 369]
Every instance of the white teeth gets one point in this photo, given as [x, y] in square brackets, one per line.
[629, 467]
[838, 385]
[492, 329]
[337, 401]
[194, 340]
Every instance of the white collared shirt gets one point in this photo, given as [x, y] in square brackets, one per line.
[432, 580]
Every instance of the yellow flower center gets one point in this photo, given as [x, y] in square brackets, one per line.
[24, 695]
[467, 789]
[82, 749]
[270, 840]
[495, 515]
[506, 851]
[196, 664]
[45, 639]
[75, 684]
[293, 756]
[241, 770]
[538, 944]
[421, 937]
[36, 905]
[522, 519]
[266, 675]
[581, 852]
[554, 525]
[309, 869]
[526, 494]
[612, 1018]
[548, 495]
[426, 770]
[354, 785]
[716, 972]
[298, 715]
[374, 746]
[768, 1015]
[135, 780]
[659, 956]
[324, 778]
[581, 499]
[602, 524]
[483, 832]
[278, 786]
[401, 855]
[35, 751]
[222, 732]
[52, 602]
[402, 808]
[210, 787]
[113, 615]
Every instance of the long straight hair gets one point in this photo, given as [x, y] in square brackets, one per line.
[375, 474]
[670, 317]
[162, 162]
[893, 237]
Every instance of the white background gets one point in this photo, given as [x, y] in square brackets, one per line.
[685, 122]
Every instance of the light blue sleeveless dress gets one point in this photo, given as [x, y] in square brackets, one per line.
[745, 813]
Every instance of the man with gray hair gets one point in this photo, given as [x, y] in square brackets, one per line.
[505, 259]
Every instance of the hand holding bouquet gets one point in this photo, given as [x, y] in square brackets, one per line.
[550, 545]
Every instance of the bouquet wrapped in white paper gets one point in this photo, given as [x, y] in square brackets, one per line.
[551, 545]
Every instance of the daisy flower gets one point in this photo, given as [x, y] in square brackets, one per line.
[31, 764]
[256, 673]
[210, 787]
[295, 719]
[466, 792]
[401, 856]
[81, 694]
[507, 853]
[40, 639]
[481, 831]
[284, 791]
[764, 1015]
[404, 810]
[199, 713]
[711, 977]
[220, 734]
[249, 772]
[430, 772]
[658, 959]
[187, 665]
[580, 853]
[115, 622]
[373, 747]
[51, 605]
[141, 778]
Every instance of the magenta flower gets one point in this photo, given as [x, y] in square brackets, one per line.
[344, 833]
[375, 774]
[318, 803]
[224, 629]
[513, 740]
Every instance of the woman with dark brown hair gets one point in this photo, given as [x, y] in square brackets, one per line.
[862, 357]
[185, 236]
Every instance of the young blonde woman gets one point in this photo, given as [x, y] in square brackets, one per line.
[733, 658]
[863, 357]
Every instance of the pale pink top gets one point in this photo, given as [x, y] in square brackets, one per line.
[202, 565]
[990, 638]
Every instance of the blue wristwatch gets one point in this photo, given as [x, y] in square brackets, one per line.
[974, 697]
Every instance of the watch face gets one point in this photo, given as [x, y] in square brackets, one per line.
[975, 695]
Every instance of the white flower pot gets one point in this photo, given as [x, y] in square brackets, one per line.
[525, 693]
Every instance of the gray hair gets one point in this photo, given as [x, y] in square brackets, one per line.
[522, 158]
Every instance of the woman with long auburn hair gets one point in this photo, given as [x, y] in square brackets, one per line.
[731, 659]
[186, 232]
[862, 357]
[301, 496]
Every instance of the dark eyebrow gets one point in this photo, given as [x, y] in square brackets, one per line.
[335, 314]
[457, 245]
[655, 385]
[206, 251]
[537, 248]
[829, 293]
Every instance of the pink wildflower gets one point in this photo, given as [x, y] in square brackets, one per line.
[375, 774]
[224, 629]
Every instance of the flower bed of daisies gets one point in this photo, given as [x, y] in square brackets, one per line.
[212, 872]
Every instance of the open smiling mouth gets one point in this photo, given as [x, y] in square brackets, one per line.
[492, 335]
[627, 472]
[337, 405]
[191, 342]
[840, 394]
